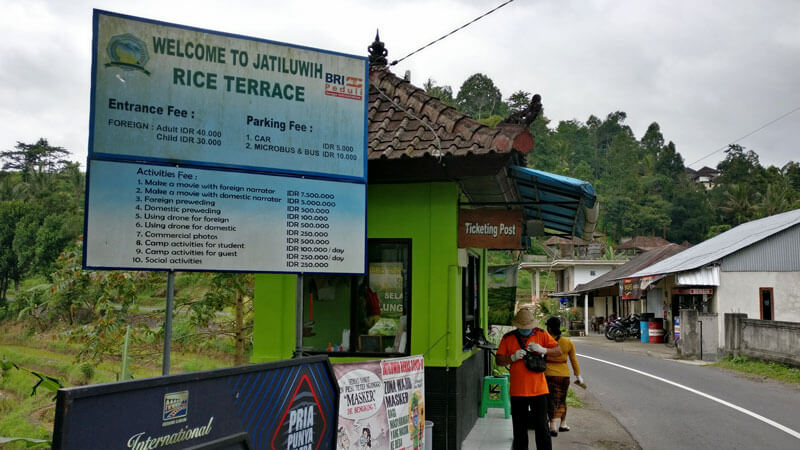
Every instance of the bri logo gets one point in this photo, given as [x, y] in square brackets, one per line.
[343, 86]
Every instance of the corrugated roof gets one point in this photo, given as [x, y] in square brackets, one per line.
[634, 265]
[724, 244]
[564, 204]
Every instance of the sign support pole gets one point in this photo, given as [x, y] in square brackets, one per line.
[298, 350]
[168, 322]
[586, 314]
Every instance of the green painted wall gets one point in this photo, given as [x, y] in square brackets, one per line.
[428, 215]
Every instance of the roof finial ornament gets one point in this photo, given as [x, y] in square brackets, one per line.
[377, 52]
[527, 115]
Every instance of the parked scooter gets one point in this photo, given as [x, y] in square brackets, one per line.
[619, 329]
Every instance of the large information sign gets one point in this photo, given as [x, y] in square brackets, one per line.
[162, 217]
[215, 152]
[289, 405]
[170, 93]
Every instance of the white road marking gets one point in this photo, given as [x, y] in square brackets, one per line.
[771, 422]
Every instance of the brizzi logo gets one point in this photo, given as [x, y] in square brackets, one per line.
[176, 407]
[344, 87]
[302, 424]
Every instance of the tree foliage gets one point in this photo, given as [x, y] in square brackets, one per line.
[443, 93]
[642, 183]
[479, 98]
[234, 291]
[34, 159]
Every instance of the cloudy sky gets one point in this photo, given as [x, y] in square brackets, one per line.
[709, 72]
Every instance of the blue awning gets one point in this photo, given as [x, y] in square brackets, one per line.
[564, 204]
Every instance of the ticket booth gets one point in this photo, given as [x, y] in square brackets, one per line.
[424, 291]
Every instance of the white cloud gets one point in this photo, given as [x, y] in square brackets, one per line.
[707, 72]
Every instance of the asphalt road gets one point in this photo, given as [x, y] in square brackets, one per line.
[661, 415]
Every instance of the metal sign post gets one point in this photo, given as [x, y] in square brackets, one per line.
[168, 322]
[298, 350]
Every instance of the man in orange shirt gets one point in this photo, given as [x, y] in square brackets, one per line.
[528, 389]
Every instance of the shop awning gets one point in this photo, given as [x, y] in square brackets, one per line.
[566, 205]
[704, 276]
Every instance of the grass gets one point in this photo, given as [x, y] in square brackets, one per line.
[23, 415]
[48, 353]
[772, 370]
[572, 400]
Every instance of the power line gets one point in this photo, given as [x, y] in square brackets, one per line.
[747, 135]
[448, 34]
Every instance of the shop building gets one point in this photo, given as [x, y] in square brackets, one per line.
[607, 294]
[752, 269]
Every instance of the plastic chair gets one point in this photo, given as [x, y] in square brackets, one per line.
[501, 390]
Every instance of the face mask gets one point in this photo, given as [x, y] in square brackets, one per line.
[525, 332]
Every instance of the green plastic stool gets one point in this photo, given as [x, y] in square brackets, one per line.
[500, 385]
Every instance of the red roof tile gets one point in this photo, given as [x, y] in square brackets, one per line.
[643, 243]
[396, 108]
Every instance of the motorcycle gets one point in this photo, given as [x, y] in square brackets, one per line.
[619, 329]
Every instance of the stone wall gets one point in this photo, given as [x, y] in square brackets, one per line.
[762, 339]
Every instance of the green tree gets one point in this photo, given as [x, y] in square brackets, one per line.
[653, 140]
[479, 98]
[443, 93]
[776, 199]
[740, 166]
[34, 159]
[10, 270]
[670, 163]
[518, 101]
[792, 173]
[690, 214]
[228, 290]
[737, 204]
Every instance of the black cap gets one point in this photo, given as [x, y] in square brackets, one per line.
[553, 322]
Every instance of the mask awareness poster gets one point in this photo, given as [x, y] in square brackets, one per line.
[382, 404]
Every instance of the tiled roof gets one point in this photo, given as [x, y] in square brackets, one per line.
[634, 265]
[394, 133]
[558, 240]
[643, 243]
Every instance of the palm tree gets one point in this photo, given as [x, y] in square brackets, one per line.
[775, 200]
[738, 204]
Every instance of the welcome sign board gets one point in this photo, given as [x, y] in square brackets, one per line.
[171, 93]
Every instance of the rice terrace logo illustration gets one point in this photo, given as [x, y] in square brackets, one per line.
[128, 53]
[176, 406]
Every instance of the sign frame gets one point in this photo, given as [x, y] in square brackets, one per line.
[154, 160]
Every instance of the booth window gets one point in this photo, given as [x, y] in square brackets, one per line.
[470, 298]
[361, 314]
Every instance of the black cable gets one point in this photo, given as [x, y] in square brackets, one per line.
[746, 135]
[448, 34]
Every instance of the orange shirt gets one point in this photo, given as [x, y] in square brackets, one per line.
[524, 382]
